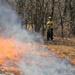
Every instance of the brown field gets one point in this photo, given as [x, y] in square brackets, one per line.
[64, 48]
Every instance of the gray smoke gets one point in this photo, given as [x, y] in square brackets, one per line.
[45, 65]
[10, 25]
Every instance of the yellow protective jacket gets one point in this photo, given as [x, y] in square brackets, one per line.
[49, 24]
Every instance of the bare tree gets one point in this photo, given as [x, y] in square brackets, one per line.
[61, 19]
[36, 12]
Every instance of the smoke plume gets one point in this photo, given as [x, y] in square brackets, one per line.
[10, 25]
[33, 63]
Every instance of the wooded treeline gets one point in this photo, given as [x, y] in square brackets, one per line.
[36, 12]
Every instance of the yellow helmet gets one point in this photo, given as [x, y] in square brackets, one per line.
[49, 17]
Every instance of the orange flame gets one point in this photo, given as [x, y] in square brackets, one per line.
[12, 50]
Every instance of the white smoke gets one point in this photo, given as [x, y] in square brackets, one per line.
[10, 26]
[46, 66]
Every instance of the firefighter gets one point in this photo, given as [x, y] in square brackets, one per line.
[49, 27]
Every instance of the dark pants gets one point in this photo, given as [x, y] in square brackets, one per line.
[50, 34]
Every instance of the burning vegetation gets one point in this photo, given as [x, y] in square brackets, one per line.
[21, 54]
[22, 58]
[12, 51]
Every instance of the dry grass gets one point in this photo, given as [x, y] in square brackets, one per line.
[64, 48]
